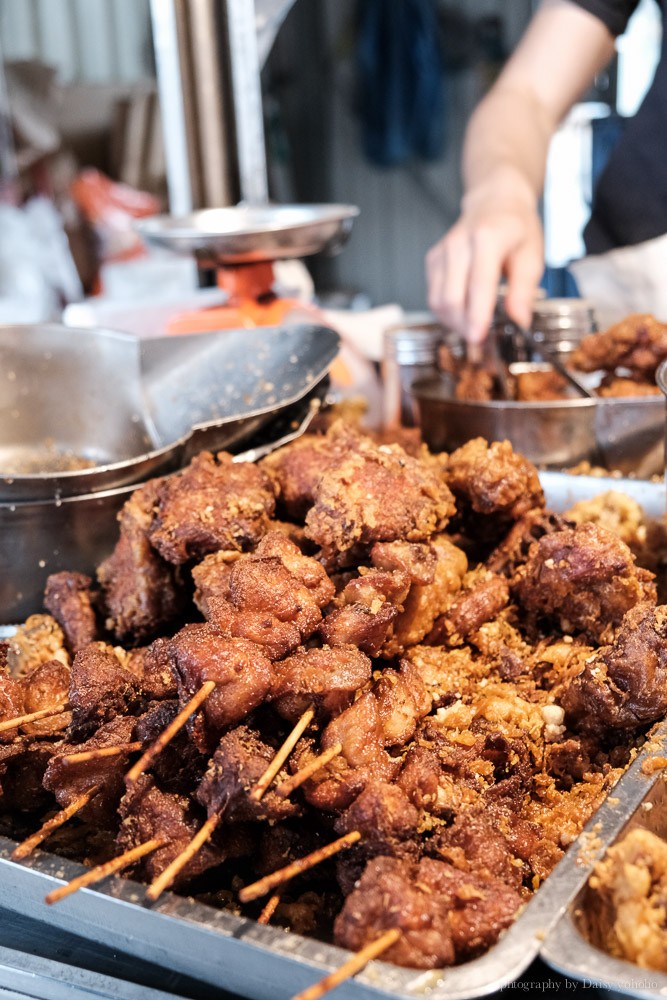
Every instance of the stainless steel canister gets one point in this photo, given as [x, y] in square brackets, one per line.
[561, 323]
[410, 352]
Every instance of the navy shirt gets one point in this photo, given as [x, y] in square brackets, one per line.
[630, 198]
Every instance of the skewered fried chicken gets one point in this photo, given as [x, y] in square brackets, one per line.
[68, 597]
[241, 672]
[140, 590]
[237, 764]
[325, 679]
[445, 915]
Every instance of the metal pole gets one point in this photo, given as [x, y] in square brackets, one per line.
[247, 94]
[172, 106]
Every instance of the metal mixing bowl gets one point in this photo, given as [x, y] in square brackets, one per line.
[623, 434]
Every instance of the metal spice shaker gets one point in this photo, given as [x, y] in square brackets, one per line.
[410, 352]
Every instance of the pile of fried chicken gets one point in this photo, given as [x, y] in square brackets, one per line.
[481, 668]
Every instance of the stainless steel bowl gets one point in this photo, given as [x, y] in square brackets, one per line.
[246, 234]
[624, 434]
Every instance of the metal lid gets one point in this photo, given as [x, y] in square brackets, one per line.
[564, 314]
[416, 344]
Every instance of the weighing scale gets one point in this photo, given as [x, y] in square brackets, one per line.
[241, 244]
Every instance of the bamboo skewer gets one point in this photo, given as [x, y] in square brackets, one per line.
[269, 909]
[282, 755]
[286, 788]
[82, 756]
[23, 720]
[168, 734]
[99, 872]
[269, 882]
[164, 880]
[355, 964]
[30, 843]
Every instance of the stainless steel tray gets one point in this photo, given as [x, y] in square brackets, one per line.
[266, 963]
[568, 949]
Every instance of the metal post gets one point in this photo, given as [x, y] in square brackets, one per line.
[172, 107]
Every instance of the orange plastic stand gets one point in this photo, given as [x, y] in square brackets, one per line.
[252, 302]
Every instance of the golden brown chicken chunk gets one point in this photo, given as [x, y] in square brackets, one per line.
[494, 479]
[215, 503]
[637, 343]
[584, 578]
[376, 493]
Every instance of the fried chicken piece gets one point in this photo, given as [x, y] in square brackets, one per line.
[297, 467]
[242, 673]
[12, 702]
[474, 384]
[22, 767]
[274, 596]
[325, 679]
[140, 590]
[619, 386]
[584, 579]
[626, 900]
[215, 503]
[148, 812]
[38, 640]
[388, 823]
[68, 780]
[513, 550]
[638, 343]
[375, 494]
[68, 597]
[238, 763]
[101, 688]
[383, 717]
[483, 596]
[489, 843]
[540, 386]
[426, 601]
[493, 480]
[362, 625]
[623, 685]
[152, 668]
[445, 915]
[47, 686]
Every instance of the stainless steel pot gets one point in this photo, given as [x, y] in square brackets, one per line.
[45, 536]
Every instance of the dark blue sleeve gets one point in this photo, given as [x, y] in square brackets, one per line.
[614, 13]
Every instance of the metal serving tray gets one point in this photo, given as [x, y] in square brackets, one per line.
[267, 963]
[570, 949]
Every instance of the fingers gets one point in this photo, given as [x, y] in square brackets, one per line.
[464, 270]
[523, 272]
[447, 269]
[483, 281]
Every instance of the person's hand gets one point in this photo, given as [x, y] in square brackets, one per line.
[492, 239]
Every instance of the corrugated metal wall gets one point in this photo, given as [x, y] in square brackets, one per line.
[89, 41]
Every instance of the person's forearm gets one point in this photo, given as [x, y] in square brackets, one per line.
[505, 149]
